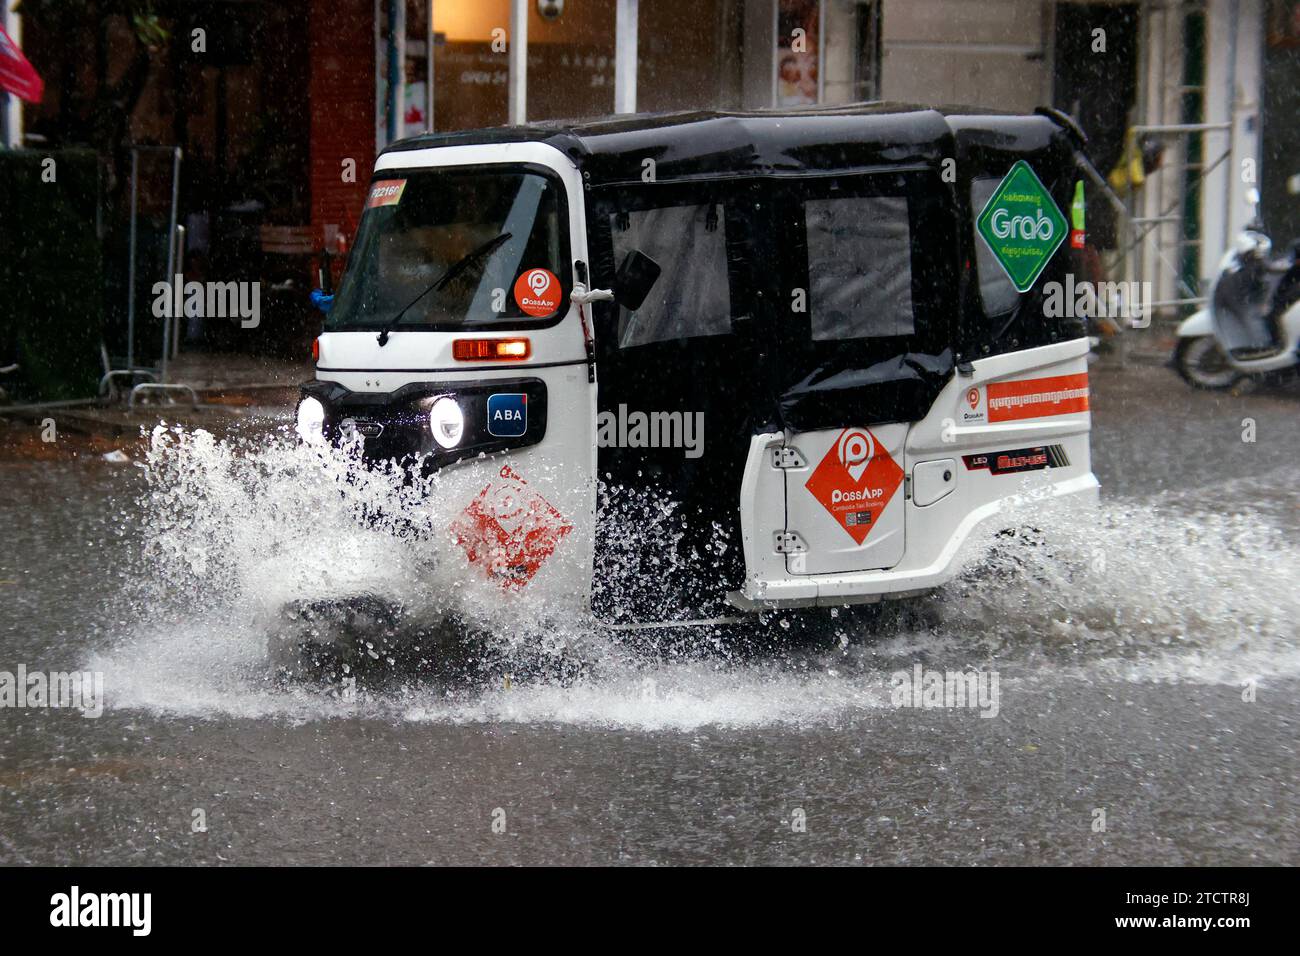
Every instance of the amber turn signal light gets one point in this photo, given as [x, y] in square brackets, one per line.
[491, 350]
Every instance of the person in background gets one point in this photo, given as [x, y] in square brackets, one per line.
[1143, 156]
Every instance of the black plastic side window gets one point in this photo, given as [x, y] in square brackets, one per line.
[998, 295]
[692, 296]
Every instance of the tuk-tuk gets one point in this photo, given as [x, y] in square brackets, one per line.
[683, 365]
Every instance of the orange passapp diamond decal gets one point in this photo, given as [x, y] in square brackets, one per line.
[855, 481]
[509, 530]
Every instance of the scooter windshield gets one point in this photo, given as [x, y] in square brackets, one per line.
[1242, 300]
[419, 224]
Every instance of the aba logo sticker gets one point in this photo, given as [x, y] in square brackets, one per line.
[537, 292]
[507, 415]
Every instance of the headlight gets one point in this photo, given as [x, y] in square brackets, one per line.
[311, 419]
[447, 422]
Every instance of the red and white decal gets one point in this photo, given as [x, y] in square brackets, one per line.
[972, 406]
[509, 530]
[1037, 397]
[386, 192]
[537, 292]
[855, 481]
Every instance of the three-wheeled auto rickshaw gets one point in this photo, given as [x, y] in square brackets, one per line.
[687, 364]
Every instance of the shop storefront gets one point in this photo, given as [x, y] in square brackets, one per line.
[282, 109]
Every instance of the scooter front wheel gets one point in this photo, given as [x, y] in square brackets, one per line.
[1202, 363]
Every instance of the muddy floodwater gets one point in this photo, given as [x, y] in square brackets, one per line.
[1146, 654]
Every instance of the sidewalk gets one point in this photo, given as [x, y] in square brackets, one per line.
[1150, 346]
[224, 373]
[230, 388]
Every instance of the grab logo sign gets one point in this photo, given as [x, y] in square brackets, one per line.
[855, 481]
[1022, 226]
[537, 292]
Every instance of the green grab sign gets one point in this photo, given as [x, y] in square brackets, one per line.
[1022, 226]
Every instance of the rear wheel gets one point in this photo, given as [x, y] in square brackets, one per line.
[1201, 363]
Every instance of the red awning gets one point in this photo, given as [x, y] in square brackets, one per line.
[17, 75]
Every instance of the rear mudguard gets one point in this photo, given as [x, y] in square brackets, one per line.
[1196, 325]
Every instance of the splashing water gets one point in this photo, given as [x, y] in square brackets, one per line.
[238, 531]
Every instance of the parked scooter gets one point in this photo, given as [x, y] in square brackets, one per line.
[1252, 325]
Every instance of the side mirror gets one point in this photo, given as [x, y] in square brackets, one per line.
[323, 296]
[1256, 223]
[324, 273]
[635, 278]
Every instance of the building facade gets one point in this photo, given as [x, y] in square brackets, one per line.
[301, 94]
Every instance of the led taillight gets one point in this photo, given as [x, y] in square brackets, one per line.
[315, 350]
[491, 350]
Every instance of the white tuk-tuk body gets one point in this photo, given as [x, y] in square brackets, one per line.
[768, 363]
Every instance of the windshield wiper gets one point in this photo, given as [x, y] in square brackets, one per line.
[455, 269]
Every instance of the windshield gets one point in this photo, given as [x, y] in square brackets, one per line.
[418, 225]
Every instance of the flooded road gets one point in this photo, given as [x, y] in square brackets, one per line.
[1146, 655]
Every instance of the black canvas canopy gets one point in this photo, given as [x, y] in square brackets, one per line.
[710, 144]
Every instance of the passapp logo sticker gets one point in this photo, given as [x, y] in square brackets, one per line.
[855, 450]
[537, 292]
[972, 408]
[509, 530]
[386, 192]
[507, 415]
[855, 481]
[1038, 397]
